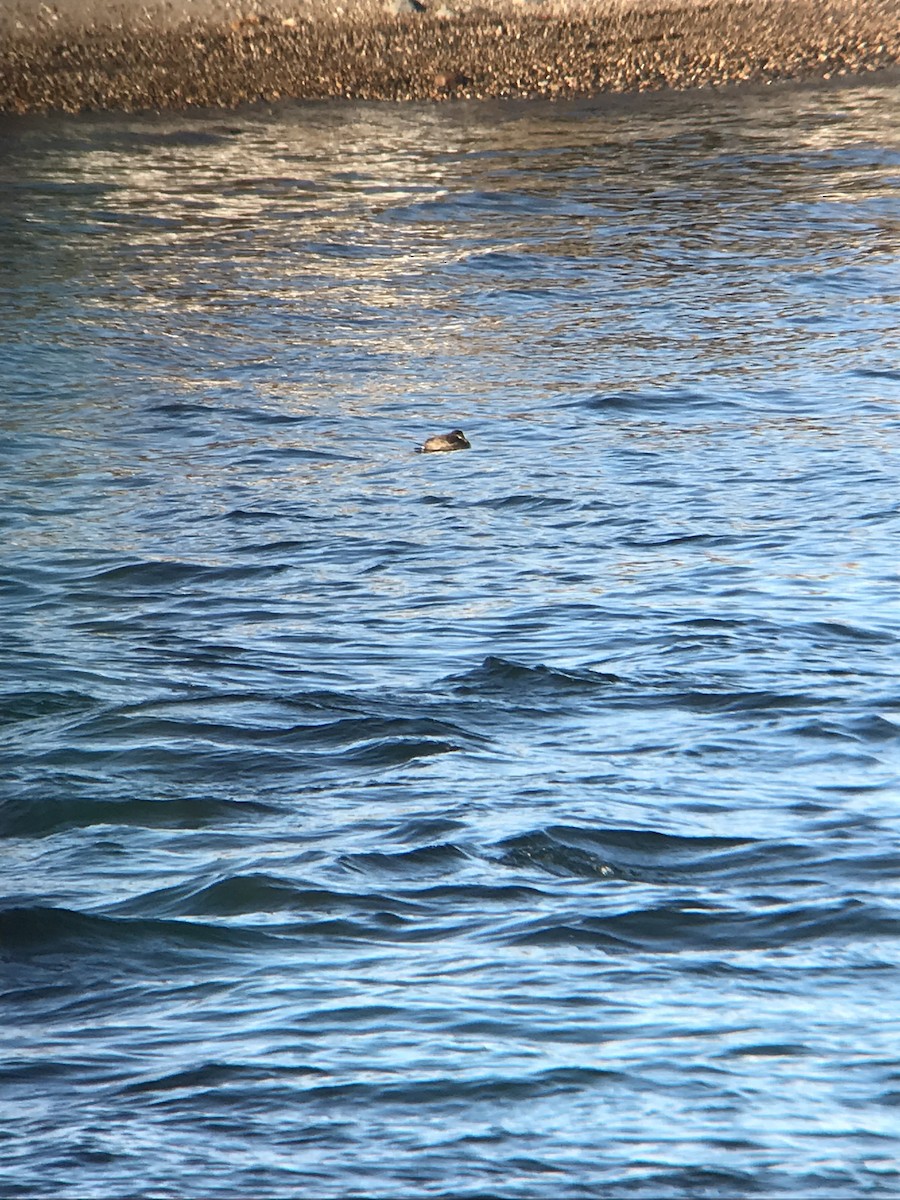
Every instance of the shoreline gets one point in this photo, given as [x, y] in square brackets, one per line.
[223, 58]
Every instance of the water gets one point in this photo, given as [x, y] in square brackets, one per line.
[520, 822]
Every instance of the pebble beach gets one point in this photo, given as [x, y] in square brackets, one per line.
[144, 58]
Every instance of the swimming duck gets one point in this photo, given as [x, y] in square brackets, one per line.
[456, 440]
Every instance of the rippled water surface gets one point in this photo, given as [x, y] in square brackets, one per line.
[519, 822]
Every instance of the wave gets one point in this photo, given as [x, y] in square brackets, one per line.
[262, 458]
[622, 853]
[728, 700]
[215, 1085]
[654, 889]
[890, 374]
[498, 675]
[675, 400]
[152, 725]
[163, 574]
[477, 1088]
[217, 1075]
[527, 502]
[260, 516]
[694, 925]
[394, 752]
[254, 894]
[871, 728]
[730, 866]
[843, 631]
[41, 929]
[499, 678]
[41, 815]
[184, 408]
[209, 737]
[32, 704]
[34, 932]
[679, 539]
[406, 863]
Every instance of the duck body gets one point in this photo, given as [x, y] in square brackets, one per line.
[441, 442]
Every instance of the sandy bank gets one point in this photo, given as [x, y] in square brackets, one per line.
[100, 55]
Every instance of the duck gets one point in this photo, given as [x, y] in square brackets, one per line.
[455, 440]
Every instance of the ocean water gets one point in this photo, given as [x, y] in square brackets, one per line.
[519, 822]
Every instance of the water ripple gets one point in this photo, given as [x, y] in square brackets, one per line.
[519, 822]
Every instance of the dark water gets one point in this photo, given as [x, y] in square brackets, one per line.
[521, 822]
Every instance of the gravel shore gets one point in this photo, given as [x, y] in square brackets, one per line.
[104, 58]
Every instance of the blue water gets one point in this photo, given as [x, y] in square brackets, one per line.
[519, 822]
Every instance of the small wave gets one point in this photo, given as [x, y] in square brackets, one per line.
[695, 1181]
[261, 416]
[875, 729]
[499, 675]
[145, 727]
[218, 1075]
[313, 700]
[162, 575]
[740, 701]
[862, 729]
[842, 631]
[192, 761]
[767, 1050]
[393, 752]
[554, 856]
[294, 453]
[715, 624]
[184, 408]
[281, 546]
[41, 815]
[33, 704]
[406, 863]
[888, 373]
[678, 925]
[527, 501]
[635, 854]
[251, 516]
[676, 400]
[481, 1089]
[253, 894]
[427, 829]
[25, 931]
[456, 895]
[373, 731]
[678, 539]
[213, 736]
